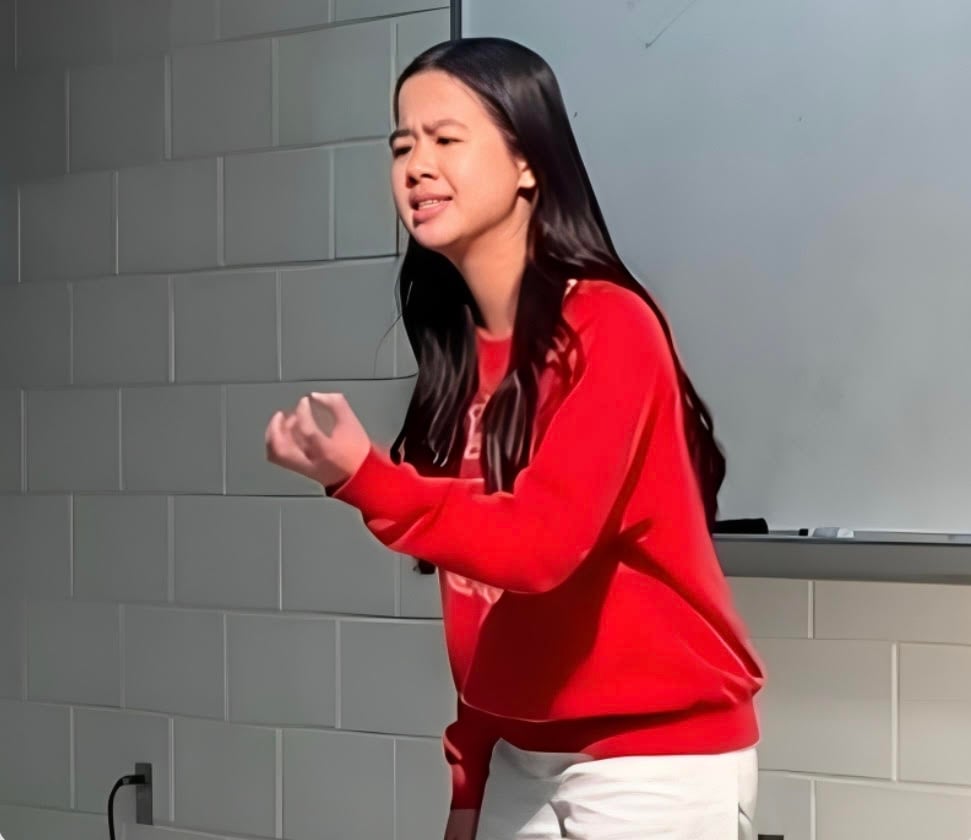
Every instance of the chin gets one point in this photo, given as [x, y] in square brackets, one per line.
[441, 242]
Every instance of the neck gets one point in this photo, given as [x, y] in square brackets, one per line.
[493, 268]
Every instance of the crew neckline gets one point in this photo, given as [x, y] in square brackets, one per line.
[484, 335]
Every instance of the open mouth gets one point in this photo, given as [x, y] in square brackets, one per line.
[428, 208]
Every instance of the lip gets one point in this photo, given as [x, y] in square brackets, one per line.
[424, 214]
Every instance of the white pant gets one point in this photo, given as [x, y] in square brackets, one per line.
[543, 795]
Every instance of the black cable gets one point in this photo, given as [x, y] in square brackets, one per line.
[134, 779]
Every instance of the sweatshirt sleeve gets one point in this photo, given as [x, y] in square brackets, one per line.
[529, 540]
[468, 744]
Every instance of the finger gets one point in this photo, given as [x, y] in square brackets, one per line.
[307, 427]
[285, 450]
[336, 402]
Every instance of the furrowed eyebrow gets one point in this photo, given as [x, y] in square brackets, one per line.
[407, 132]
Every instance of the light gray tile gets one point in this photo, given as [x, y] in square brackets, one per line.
[67, 227]
[335, 319]
[9, 224]
[117, 115]
[152, 27]
[12, 440]
[221, 98]
[13, 640]
[141, 28]
[416, 33]
[420, 594]
[395, 677]
[337, 786]
[35, 542]
[72, 440]
[825, 707]
[227, 551]
[21, 821]
[106, 746]
[331, 563]
[73, 652]
[35, 334]
[225, 327]
[423, 792]
[893, 611]
[935, 714]
[784, 807]
[35, 765]
[278, 207]
[380, 406]
[193, 21]
[147, 832]
[7, 27]
[773, 608]
[39, 125]
[335, 84]
[172, 439]
[282, 670]
[225, 777]
[60, 32]
[121, 548]
[121, 330]
[167, 217]
[240, 18]
[174, 662]
[365, 213]
[849, 812]
[350, 9]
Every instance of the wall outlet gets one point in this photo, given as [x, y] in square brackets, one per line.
[143, 795]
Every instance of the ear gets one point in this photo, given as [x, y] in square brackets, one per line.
[527, 180]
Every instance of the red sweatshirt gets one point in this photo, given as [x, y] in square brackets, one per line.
[585, 611]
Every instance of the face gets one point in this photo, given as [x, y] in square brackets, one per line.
[455, 180]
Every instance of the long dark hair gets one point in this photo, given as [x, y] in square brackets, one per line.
[567, 238]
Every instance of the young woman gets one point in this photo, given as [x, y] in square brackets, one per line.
[559, 471]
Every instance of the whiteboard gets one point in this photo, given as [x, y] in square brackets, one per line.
[792, 180]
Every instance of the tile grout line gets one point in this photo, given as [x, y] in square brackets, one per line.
[224, 443]
[279, 784]
[116, 213]
[337, 675]
[274, 92]
[812, 809]
[121, 444]
[895, 712]
[225, 669]
[167, 105]
[70, 333]
[72, 758]
[67, 120]
[171, 740]
[23, 440]
[812, 609]
[170, 527]
[332, 204]
[171, 327]
[122, 676]
[220, 211]
[72, 500]
[279, 325]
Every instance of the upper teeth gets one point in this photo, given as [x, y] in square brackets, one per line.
[430, 201]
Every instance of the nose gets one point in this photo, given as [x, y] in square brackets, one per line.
[421, 163]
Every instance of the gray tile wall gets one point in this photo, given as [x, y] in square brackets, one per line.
[195, 230]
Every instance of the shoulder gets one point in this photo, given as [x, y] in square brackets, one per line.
[601, 309]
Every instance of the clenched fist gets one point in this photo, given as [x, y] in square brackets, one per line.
[321, 439]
